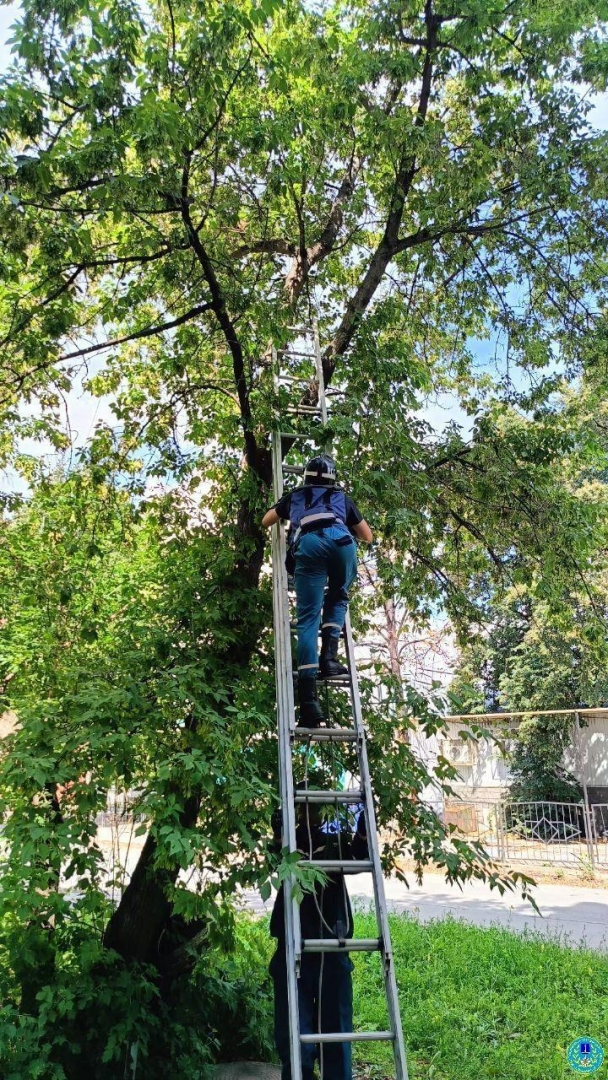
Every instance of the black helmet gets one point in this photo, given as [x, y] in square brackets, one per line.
[320, 470]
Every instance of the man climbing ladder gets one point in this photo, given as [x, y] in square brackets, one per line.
[323, 521]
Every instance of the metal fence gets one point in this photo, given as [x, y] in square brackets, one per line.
[564, 834]
[558, 833]
[599, 817]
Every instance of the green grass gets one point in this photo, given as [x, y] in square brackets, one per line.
[479, 1004]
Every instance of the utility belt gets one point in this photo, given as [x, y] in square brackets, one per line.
[315, 523]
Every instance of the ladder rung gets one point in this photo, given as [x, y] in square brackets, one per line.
[309, 796]
[294, 352]
[348, 945]
[303, 410]
[326, 734]
[331, 680]
[295, 470]
[296, 435]
[347, 866]
[348, 1036]
[301, 329]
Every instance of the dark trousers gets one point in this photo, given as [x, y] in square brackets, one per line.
[334, 993]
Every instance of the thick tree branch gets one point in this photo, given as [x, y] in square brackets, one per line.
[474, 531]
[450, 459]
[307, 257]
[81, 268]
[27, 318]
[265, 247]
[463, 228]
[437, 572]
[220, 310]
[222, 108]
[124, 260]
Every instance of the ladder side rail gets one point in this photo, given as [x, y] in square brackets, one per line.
[287, 734]
[374, 855]
[285, 713]
[283, 669]
[320, 379]
[285, 700]
[274, 366]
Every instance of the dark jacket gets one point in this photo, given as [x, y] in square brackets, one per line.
[328, 904]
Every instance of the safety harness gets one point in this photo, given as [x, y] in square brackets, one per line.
[312, 509]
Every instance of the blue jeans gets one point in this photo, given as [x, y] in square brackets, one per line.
[335, 990]
[322, 558]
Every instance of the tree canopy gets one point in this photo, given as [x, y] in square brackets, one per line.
[182, 184]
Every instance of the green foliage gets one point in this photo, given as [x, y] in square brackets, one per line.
[104, 651]
[238, 994]
[96, 1009]
[536, 762]
[542, 643]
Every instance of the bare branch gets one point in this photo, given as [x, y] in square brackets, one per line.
[324, 245]
[148, 331]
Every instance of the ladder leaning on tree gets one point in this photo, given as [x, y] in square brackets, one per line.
[288, 365]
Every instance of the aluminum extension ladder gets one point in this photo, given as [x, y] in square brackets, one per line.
[290, 738]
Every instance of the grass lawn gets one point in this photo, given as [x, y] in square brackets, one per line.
[479, 1004]
[476, 1004]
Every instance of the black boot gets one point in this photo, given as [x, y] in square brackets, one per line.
[311, 714]
[329, 664]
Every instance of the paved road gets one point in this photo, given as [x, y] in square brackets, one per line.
[577, 916]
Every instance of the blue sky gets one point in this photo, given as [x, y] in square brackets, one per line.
[8, 14]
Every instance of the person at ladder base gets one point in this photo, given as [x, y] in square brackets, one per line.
[323, 521]
[325, 992]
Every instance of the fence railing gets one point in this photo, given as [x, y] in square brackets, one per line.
[550, 832]
[554, 832]
[559, 833]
